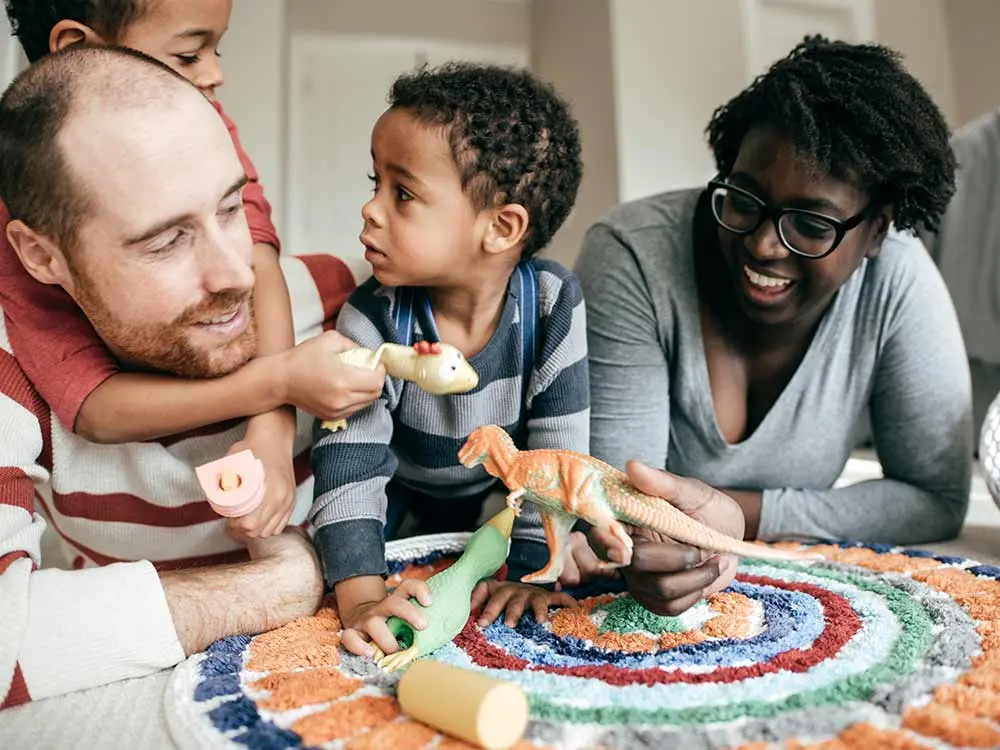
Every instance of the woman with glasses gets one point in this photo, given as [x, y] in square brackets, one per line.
[739, 332]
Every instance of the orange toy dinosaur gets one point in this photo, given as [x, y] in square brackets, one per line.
[566, 485]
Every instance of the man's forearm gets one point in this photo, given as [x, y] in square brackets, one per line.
[211, 603]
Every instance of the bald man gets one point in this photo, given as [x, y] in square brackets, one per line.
[123, 187]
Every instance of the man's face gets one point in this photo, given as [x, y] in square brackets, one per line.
[162, 265]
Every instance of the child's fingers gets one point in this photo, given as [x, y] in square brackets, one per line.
[479, 595]
[381, 635]
[540, 606]
[496, 605]
[515, 608]
[404, 609]
[561, 599]
[355, 642]
[419, 590]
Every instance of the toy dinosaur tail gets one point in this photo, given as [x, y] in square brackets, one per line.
[658, 515]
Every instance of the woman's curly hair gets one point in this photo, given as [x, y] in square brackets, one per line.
[856, 113]
[512, 136]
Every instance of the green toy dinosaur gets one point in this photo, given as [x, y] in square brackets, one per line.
[484, 555]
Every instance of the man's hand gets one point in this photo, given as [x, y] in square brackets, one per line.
[365, 621]
[666, 577]
[317, 382]
[271, 437]
[515, 598]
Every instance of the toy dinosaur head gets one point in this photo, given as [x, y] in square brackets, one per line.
[441, 369]
[487, 445]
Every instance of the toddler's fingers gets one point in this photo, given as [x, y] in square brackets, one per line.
[540, 606]
[496, 605]
[419, 590]
[479, 595]
[515, 608]
[404, 609]
[354, 642]
[381, 635]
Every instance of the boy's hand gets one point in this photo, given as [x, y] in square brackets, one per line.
[271, 437]
[515, 598]
[365, 621]
[583, 564]
[319, 383]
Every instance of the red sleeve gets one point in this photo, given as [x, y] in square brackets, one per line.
[56, 346]
[257, 208]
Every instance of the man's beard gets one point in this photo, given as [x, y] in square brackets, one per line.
[166, 346]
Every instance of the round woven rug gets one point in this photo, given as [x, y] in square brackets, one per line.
[873, 647]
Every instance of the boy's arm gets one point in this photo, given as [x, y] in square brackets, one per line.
[351, 469]
[559, 398]
[131, 407]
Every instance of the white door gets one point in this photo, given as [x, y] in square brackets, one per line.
[338, 89]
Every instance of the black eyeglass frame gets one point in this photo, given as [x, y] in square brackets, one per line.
[775, 214]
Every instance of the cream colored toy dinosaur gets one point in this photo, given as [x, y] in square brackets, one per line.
[566, 485]
[439, 369]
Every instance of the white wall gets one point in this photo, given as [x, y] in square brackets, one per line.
[918, 29]
[974, 34]
[643, 76]
[571, 48]
[676, 61]
[254, 92]
[12, 58]
[493, 21]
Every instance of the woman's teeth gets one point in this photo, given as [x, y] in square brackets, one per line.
[769, 282]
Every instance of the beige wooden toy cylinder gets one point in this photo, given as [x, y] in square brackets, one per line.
[465, 704]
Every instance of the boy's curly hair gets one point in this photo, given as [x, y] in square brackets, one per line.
[858, 115]
[512, 137]
[32, 20]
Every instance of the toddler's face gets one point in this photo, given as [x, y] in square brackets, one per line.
[420, 227]
[185, 35]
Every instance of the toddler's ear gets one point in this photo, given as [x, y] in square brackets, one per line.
[507, 229]
[66, 33]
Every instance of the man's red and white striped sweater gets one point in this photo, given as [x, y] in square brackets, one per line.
[122, 512]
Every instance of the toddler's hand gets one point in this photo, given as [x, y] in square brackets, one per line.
[583, 563]
[515, 598]
[320, 384]
[366, 621]
[273, 514]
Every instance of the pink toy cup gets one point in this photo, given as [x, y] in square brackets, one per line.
[233, 485]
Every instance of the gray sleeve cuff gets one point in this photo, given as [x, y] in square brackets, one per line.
[348, 549]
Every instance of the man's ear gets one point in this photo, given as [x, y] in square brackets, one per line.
[66, 33]
[507, 229]
[39, 255]
[880, 227]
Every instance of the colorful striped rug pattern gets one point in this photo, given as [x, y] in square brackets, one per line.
[872, 647]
